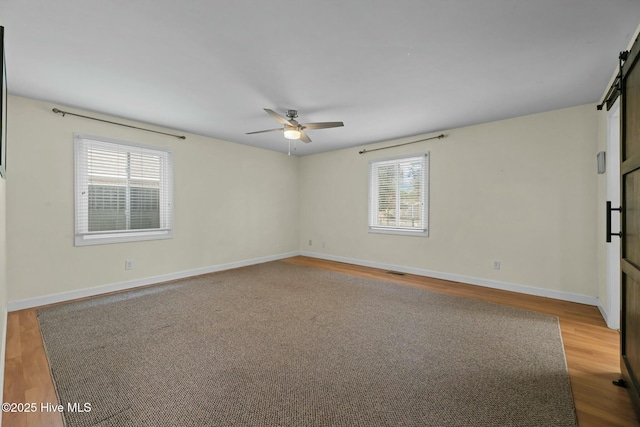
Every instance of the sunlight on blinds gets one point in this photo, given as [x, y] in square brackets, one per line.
[398, 194]
[121, 188]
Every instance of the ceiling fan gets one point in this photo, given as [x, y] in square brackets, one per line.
[294, 130]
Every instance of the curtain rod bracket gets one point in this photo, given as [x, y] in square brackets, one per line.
[64, 113]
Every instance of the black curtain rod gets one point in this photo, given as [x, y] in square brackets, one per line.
[406, 143]
[57, 111]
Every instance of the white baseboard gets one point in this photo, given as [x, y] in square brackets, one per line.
[603, 312]
[130, 284]
[523, 289]
[612, 322]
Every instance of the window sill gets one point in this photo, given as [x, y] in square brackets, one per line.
[107, 238]
[400, 232]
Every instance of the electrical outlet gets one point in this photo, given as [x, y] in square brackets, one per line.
[309, 242]
[128, 264]
[496, 265]
[323, 245]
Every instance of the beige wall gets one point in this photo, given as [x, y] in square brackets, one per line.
[3, 277]
[521, 191]
[231, 203]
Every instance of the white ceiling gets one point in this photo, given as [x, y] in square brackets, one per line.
[387, 69]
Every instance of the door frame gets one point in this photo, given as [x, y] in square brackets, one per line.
[613, 195]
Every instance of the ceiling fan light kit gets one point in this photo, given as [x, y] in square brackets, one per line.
[292, 130]
[291, 133]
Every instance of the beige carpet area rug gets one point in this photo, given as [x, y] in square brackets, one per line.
[283, 345]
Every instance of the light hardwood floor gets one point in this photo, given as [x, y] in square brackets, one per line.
[592, 350]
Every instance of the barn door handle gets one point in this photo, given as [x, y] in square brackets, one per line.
[609, 233]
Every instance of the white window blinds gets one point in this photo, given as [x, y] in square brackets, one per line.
[398, 195]
[123, 191]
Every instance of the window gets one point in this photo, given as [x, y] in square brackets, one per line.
[398, 195]
[123, 192]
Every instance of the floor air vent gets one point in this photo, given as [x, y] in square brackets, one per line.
[396, 273]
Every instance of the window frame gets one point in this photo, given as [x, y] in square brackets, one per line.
[404, 231]
[81, 221]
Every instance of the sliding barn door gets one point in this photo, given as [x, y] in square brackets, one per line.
[630, 219]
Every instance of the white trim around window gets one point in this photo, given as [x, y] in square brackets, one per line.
[399, 195]
[123, 191]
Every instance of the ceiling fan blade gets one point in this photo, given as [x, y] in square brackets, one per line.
[263, 131]
[279, 118]
[304, 137]
[321, 125]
